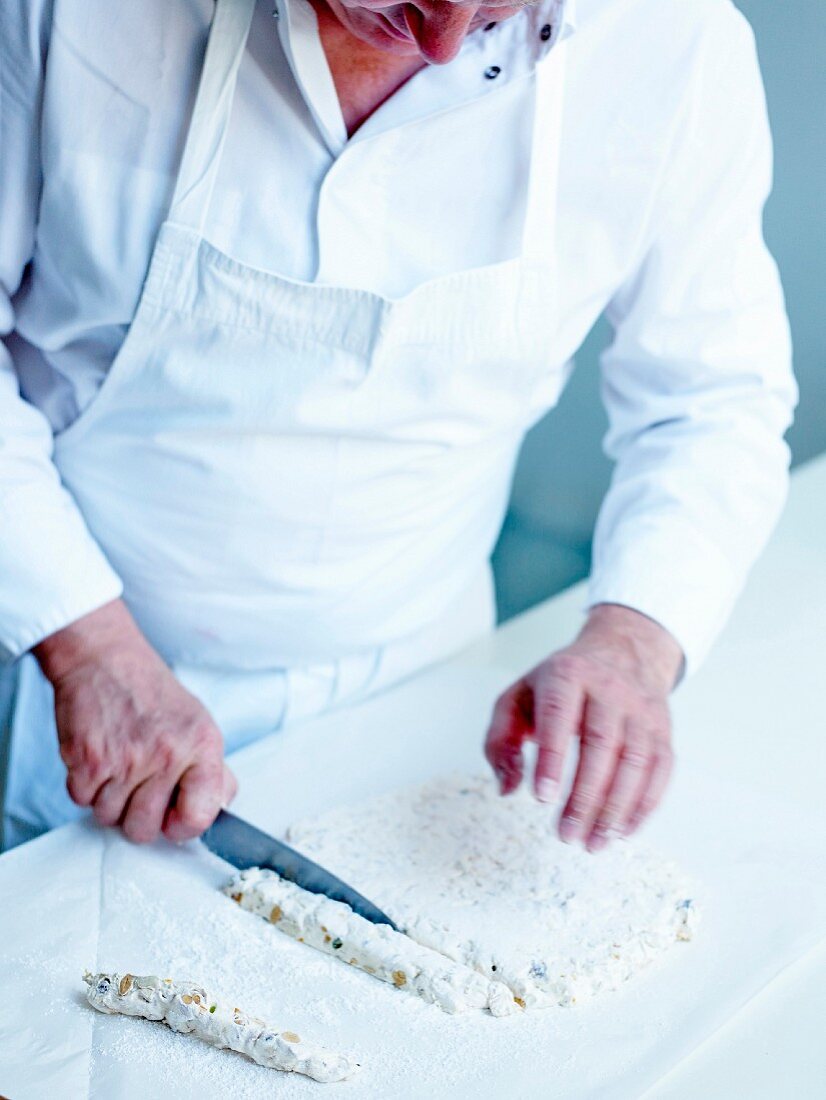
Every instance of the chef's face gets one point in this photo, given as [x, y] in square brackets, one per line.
[433, 29]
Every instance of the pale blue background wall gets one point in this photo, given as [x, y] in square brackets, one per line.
[562, 474]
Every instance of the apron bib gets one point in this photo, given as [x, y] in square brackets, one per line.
[301, 484]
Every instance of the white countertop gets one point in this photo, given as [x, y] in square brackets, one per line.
[752, 717]
[756, 708]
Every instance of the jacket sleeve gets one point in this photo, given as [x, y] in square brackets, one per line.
[51, 569]
[697, 382]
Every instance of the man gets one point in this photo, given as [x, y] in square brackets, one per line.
[270, 354]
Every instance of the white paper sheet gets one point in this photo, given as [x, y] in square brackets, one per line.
[82, 898]
[49, 913]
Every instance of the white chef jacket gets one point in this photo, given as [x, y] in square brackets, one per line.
[665, 166]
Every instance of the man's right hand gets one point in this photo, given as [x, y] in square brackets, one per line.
[140, 749]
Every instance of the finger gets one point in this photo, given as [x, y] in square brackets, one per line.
[599, 747]
[659, 775]
[558, 709]
[110, 801]
[626, 787]
[200, 792]
[80, 746]
[146, 808]
[83, 783]
[88, 769]
[230, 787]
[510, 725]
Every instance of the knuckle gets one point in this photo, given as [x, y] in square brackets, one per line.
[91, 758]
[171, 754]
[202, 736]
[614, 687]
[636, 755]
[568, 667]
[166, 756]
[580, 806]
[551, 756]
[70, 749]
[552, 705]
[202, 722]
[616, 809]
[636, 761]
[599, 736]
[129, 759]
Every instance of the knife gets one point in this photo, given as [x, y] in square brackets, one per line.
[244, 846]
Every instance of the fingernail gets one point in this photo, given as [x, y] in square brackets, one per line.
[546, 790]
[568, 829]
[596, 842]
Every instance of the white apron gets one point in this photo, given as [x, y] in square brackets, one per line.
[301, 484]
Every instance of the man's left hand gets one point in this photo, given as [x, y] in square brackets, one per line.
[609, 691]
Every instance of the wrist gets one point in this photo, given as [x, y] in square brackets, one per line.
[100, 636]
[637, 641]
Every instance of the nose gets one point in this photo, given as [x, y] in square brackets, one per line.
[439, 27]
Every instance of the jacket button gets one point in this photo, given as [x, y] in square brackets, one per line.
[546, 32]
[489, 26]
[492, 71]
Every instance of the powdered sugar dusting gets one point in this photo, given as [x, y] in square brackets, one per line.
[163, 912]
[486, 881]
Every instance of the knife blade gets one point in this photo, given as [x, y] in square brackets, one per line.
[244, 846]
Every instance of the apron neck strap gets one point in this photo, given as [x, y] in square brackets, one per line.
[540, 225]
[211, 115]
[210, 120]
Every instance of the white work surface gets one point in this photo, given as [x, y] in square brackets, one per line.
[744, 817]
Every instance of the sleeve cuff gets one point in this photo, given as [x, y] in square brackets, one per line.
[684, 584]
[53, 572]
